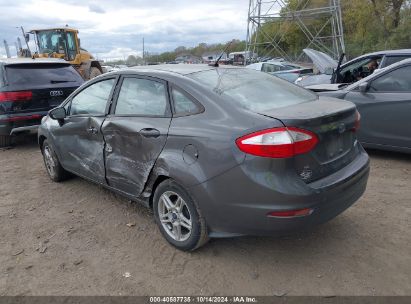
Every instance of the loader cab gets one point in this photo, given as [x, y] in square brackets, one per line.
[57, 43]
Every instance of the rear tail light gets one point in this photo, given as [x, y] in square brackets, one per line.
[291, 213]
[278, 142]
[15, 96]
[357, 121]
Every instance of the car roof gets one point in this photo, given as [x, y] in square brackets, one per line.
[11, 61]
[182, 69]
[390, 52]
[381, 53]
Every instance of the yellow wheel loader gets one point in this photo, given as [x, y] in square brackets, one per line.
[64, 43]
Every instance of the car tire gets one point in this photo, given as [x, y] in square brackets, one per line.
[175, 215]
[53, 167]
[94, 72]
[5, 141]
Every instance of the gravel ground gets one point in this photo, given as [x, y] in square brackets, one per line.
[72, 238]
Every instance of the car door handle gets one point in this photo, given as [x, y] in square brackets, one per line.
[150, 132]
[92, 130]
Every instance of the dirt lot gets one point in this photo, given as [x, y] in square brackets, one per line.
[72, 239]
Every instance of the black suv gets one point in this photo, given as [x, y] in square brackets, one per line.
[29, 88]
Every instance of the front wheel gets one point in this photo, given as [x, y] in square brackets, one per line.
[53, 166]
[178, 217]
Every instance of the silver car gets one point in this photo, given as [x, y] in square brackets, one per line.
[349, 72]
[384, 102]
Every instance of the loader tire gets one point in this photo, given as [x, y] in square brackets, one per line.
[94, 72]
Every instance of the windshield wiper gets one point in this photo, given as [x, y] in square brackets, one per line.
[61, 81]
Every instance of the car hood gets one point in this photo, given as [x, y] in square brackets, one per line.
[321, 60]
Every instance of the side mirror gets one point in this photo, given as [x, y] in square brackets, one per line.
[363, 87]
[58, 113]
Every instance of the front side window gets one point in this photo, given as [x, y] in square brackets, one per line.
[71, 46]
[398, 80]
[253, 90]
[143, 97]
[93, 99]
[359, 69]
[51, 41]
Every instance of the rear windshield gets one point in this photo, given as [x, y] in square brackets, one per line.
[253, 90]
[42, 74]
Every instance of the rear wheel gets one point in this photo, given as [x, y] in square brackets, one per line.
[5, 141]
[94, 72]
[178, 217]
[53, 166]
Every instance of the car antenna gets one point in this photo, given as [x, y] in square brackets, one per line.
[215, 64]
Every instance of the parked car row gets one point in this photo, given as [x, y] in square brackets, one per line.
[214, 151]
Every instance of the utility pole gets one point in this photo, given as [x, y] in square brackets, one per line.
[25, 36]
[144, 62]
[17, 49]
[6, 46]
[19, 44]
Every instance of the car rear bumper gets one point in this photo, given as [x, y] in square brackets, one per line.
[242, 208]
[11, 124]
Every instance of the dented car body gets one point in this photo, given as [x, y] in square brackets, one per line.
[248, 164]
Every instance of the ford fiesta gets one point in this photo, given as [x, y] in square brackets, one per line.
[214, 151]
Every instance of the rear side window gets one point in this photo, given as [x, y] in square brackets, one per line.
[398, 80]
[42, 74]
[253, 90]
[93, 99]
[393, 59]
[143, 97]
[183, 105]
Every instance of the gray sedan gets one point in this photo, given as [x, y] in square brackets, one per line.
[215, 152]
[384, 102]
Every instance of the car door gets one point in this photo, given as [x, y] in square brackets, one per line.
[79, 141]
[385, 109]
[135, 132]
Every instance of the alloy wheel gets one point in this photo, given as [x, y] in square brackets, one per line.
[49, 161]
[175, 216]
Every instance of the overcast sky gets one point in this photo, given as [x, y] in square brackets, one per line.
[114, 29]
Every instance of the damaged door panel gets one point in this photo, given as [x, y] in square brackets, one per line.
[81, 146]
[135, 133]
[78, 137]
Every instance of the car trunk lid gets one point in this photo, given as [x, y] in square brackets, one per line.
[333, 121]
